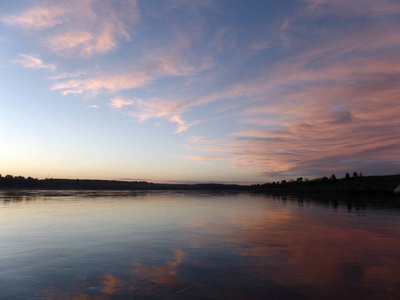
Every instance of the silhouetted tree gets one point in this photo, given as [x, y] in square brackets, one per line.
[347, 176]
[324, 179]
[300, 179]
[355, 175]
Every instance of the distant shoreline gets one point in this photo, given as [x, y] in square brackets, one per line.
[372, 185]
[90, 184]
[360, 185]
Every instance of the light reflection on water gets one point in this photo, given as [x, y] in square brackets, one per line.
[179, 245]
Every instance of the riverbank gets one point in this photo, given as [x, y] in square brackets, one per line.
[363, 185]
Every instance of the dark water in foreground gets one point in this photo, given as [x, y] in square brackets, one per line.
[182, 245]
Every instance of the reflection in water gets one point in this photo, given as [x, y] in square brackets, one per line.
[119, 245]
[165, 274]
[111, 284]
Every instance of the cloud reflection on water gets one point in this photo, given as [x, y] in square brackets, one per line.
[243, 247]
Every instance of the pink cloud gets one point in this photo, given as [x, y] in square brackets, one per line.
[331, 143]
[326, 109]
[145, 109]
[79, 28]
[34, 62]
[163, 62]
[182, 125]
[71, 41]
[120, 102]
[38, 18]
[103, 83]
[154, 108]
[322, 110]
[95, 28]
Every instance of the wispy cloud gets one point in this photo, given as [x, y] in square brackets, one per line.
[143, 109]
[69, 42]
[38, 18]
[78, 28]
[120, 102]
[155, 65]
[93, 85]
[96, 27]
[154, 108]
[182, 125]
[327, 108]
[34, 62]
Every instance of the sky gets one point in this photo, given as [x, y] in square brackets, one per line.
[199, 91]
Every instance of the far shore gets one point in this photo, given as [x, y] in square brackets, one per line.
[356, 184]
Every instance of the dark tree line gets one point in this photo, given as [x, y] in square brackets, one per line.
[355, 175]
[300, 181]
[18, 181]
[355, 184]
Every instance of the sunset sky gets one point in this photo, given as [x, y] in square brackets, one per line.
[199, 91]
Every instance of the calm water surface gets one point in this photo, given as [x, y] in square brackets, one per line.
[186, 245]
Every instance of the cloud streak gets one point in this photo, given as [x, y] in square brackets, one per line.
[182, 125]
[93, 85]
[78, 28]
[34, 62]
[37, 18]
[120, 102]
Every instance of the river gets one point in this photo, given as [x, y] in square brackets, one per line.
[196, 245]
